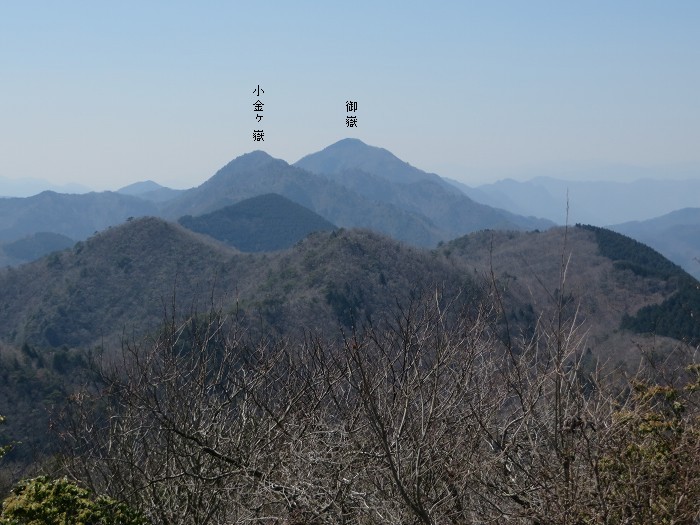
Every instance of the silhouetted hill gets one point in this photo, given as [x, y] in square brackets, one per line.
[610, 281]
[26, 187]
[676, 235]
[137, 188]
[118, 283]
[378, 175]
[264, 223]
[257, 173]
[596, 202]
[75, 216]
[36, 245]
[120, 279]
[150, 191]
[353, 154]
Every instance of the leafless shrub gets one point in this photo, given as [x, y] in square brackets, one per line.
[431, 417]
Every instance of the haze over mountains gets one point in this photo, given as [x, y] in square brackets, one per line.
[122, 285]
[73, 215]
[26, 187]
[352, 184]
[377, 174]
[150, 191]
[676, 235]
[592, 202]
[259, 203]
[664, 214]
[345, 238]
[369, 188]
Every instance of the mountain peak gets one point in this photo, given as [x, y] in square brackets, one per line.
[256, 154]
[140, 187]
[357, 150]
[349, 142]
[250, 161]
[352, 154]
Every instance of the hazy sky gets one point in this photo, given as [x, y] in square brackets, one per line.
[108, 93]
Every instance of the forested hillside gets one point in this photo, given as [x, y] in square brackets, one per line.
[300, 377]
[676, 235]
[259, 224]
[75, 216]
[118, 282]
[678, 315]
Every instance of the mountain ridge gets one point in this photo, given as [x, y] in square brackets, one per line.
[352, 153]
[257, 173]
[122, 278]
[74, 215]
[675, 234]
[266, 222]
[377, 173]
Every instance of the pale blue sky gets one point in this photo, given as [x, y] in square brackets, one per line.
[108, 93]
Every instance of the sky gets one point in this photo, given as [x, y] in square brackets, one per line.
[108, 93]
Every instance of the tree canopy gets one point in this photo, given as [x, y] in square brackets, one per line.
[42, 501]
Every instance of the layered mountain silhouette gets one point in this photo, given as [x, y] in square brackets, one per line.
[258, 173]
[150, 191]
[75, 216]
[349, 184]
[27, 186]
[32, 247]
[127, 274]
[264, 223]
[589, 201]
[353, 154]
[118, 283]
[377, 174]
[676, 235]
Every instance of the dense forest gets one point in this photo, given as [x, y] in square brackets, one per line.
[676, 316]
[259, 224]
[421, 416]
[351, 379]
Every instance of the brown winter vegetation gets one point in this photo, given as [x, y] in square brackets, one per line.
[431, 416]
[353, 379]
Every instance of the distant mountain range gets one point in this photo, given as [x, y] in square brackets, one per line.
[32, 247]
[591, 202]
[363, 192]
[258, 173]
[353, 185]
[347, 237]
[150, 191]
[653, 203]
[676, 235]
[377, 174]
[75, 216]
[26, 187]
